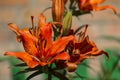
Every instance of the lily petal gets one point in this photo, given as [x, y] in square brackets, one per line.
[14, 28]
[27, 39]
[89, 5]
[97, 53]
[95, 1]
[61, 56]
[42, 21]
[60, 44]
[105, 7]
[45, 29]
[31, 62]
[29, 43]
[85, 46]
[46, 33]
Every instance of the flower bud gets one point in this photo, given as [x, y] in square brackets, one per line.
[58, 10]
[67, 23]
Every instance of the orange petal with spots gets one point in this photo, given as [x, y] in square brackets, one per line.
[61, 56]
[31, 62]
[27, 39]
[60, 44]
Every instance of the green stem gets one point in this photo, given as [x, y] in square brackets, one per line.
[49, 72]
[49, 76]
[59, 75]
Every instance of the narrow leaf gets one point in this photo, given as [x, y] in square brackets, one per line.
[27, 70]
[34, 74]
[115, 65]
[79, 75]
[21, 72]
[59, 75]
[32, 69]
[104, 69]
[86, 65]
[21, 65]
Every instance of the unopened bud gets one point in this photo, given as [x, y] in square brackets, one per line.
[58, 10]
[67, 23]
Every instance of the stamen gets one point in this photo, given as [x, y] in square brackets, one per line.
[35, 58]
[84, 32]
[32, 17]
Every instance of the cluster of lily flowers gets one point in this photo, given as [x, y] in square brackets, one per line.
[56, 43]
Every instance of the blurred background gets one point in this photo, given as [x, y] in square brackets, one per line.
[104, 29]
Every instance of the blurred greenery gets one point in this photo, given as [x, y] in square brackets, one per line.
[14, 69]
[110, 69]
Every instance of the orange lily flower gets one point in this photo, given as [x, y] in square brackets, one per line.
[92, 5]
[40, 49]
[83, 49]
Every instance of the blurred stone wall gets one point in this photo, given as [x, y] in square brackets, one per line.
[19, 11]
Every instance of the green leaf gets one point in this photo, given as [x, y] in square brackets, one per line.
[27, 70]
[67, 23]
[36, 68]
[31, 69]
[86, 65]
[21, 72]
[104, 69]
[21, 65]
[115, 65]
[59, 75]
[83, 77]
[16, 69]
[34, 74]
